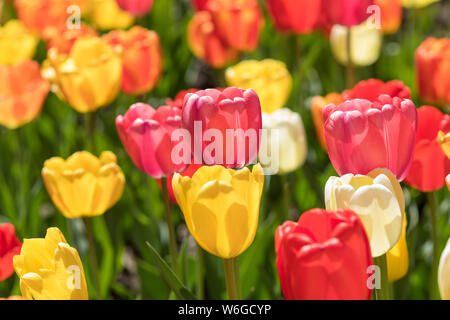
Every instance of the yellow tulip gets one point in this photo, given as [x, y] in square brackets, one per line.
[366, 44]
[50, 269]
[397, 258]
[83, 185]
[378, 201]
[107, 15]
[444, 141]
[17, 43]
[444, 273]
[221, 207]
[269, 78]
[89, 77]
[417, 3]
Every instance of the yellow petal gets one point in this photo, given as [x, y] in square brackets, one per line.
[397, 258]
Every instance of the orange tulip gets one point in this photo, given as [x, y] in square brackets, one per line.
[64, 39]
[205, 43]
[317, 105]
[142, 58]
[391, 15]
[22, 93]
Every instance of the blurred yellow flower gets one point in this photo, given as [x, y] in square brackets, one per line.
[269, 78]
[221, 207]
[107, 15]
[397, 258]
[444, 141]
[89, 77]
[50, 269]
[378, 201]
[84, 185]
[17, 43]
[366, 44]
[444, 273]
[417, 3]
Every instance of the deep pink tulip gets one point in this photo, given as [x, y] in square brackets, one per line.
[346, 12]
[136, 7]
[225, 111]
[146, 133]
[362, 135]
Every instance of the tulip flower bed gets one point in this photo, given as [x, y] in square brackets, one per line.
[224, 149]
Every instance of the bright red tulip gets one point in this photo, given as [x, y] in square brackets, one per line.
[136, 7]
[63, 39]
[9, 247]
[347, 12]
[430, 165]
[323, 256]
[299, 16]
[371, 89]
[362, 135]
[145, 133]
[199, 5]
[179, 98]
[224, 126]
[141, 56]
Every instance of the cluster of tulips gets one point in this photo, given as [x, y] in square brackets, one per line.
[373, 133]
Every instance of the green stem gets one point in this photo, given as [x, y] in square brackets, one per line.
[200, 274]
[232, 278]
[434, 236]
[286, 198]
[383, 292]
[172, 238]
[350, 67]
[92, 255]
[90, 126]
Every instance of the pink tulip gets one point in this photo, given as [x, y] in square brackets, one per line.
[362, 135]
[146, 133]
[225, 112]
[136, 7]
[346, 12]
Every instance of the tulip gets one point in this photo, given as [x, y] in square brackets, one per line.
[391, 14]
[432, 71]
[188, 172]
[205, 43]
[299, 16]
[215, 114]
[347, 12]
[89, 77]
[179, 98]
[397, 258]
[9, 247]
[378, 201]
[444, 141]
[417, 3]
[289, 140]
[325, 255]
[107, 15]
[22, 93]
[371, 89]
[365, 44]
[199, 5]
[17, 43]
[444, 273]
[238, 22]
[317, 105]
[386, 127]
[50, 269]
[84, 185]
[136, 7]
[430, 165]
[63, 40]
[146, 134]
[221, 207]
[269, 78]
[142, 58]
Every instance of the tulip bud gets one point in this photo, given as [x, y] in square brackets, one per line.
[199, 5]
[9, 247]
[64, 39]
[107, 15]
[317, 105]
[141, 58]
[365, 44]
[289, 141]
[325, 255]
[269, 78]
[17, 43]
[444, 273]
[417, 3]
[391, 14]
[221, 207]
[22, 93]
[50, 269]
[347, 12]
[84, 185]
[371, 89]
[378, 201]
[136, 7]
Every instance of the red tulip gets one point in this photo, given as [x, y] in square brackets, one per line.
[142, 58]
[347, 12]
[299, 16]
[146, 133]
[362, 135]
[391, 14]
[371, 89]
[9, 247]
[211, 115]
[199, 5]
[63, 39]
[323, 256]
[430, 165]
[179, 98]
[136, 7]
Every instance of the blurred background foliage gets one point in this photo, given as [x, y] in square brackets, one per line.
[127, 268]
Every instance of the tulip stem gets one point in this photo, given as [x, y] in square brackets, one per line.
[350, 67]
[434, 235]
[200, 274]
[92, 255]
[90, 125]
[232, 278]
[172, 239]
[382, 293]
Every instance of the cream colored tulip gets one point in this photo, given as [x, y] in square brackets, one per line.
[289, 139]
[377, 199]
[366, 41]
[444, 273]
